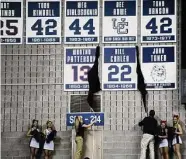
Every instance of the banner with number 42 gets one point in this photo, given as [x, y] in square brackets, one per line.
[158, 21]
[43, 22]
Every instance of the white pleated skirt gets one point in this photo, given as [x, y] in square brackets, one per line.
[34, 143]
[49, 146]
[174, 141]
[163, 143]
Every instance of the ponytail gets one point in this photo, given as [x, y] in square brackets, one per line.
[76, 123]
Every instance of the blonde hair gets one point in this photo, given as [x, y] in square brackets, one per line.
[177, 123]
[76, 123]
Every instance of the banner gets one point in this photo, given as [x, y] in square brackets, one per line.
[11, 21]
[81, 22]
[119, 68]
[119, 21]
[77, 62]
[159, 67]
[43, 22]
[158, 21]
[87, 118]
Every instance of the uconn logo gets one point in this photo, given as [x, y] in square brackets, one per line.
[121, 26]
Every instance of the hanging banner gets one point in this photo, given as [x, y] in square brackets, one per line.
[81, 22]
[43, 22]
[158, 21]
[159, 67]
[11, 21]
[77, 62]
[119, 21]
[119, 68]
[88, 118]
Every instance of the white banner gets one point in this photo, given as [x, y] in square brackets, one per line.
[77, 62]
[119, 21]
[11, 21]
[119, 68]
[158, 21]
[159, 67]
[43, 22]
[81, 22]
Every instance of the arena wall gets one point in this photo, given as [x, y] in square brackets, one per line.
[32, 88]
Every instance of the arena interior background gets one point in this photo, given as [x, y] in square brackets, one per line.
[32, 88]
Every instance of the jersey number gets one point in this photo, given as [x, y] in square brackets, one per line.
[50, 24]
[165, 24]
[115, 70]
[88, 26]
[83, 69]
[11, 29]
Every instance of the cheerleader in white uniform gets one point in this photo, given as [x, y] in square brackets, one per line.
[49, 145]
[163, 141]
[34, 144]
[176, 142]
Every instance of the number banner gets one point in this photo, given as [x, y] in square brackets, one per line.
[81, 21]
[77, 62]
[87, 118]
[119, 21]
[11, 21]
[158, 21]
[119, 65]
[159, 67]
[43, 22]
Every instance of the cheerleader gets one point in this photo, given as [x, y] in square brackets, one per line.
[50, 133]
[163, 140]
[34, 142]
[176, 142]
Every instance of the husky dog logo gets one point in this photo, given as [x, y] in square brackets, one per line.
[158, 73]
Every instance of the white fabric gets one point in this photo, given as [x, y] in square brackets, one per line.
[163, 143]
[146, 140]
[174, 141]
[34, 143]
[48, 146]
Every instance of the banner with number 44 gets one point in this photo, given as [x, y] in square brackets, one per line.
[81, 22]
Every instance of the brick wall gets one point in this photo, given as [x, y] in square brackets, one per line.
[116, 145]
[15, 145]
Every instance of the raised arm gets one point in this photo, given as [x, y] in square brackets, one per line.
[89, 125]
[141, 123]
